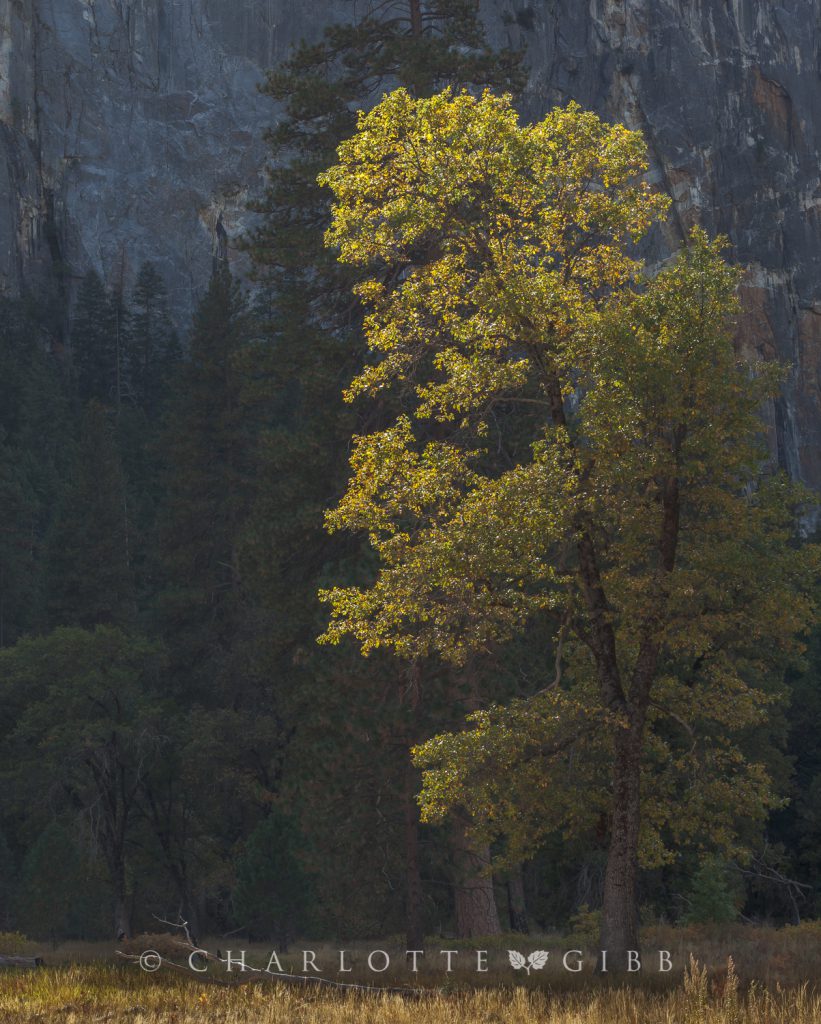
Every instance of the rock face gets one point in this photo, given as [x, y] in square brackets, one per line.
[728, 95]
[132, 129]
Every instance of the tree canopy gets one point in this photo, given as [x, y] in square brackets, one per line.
[577, 581]
[578, 439]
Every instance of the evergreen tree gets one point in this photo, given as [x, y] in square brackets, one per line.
[8, 875]
[18, 514]
[152, 358]
[713, 898]
[90, 547]
[314, 348]
[798, 826]
[33, 432]
[49, 900]
[208, 445]
[314, 325]
[153, 346]
[95, 342]
[272, 895]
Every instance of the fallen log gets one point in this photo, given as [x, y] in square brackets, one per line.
[20, 961]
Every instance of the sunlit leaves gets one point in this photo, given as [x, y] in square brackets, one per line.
[555, 395]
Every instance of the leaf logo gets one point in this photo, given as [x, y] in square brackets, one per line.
[535, 961]
[517, 960]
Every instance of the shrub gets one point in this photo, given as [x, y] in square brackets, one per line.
[714, 896]
[168, 946]
[272, 891]
[16, 944]
[56, 904]
[585, 926]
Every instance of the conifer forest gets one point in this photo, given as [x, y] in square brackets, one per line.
[440, 577]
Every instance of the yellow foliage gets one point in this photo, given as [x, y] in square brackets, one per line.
[578, 439]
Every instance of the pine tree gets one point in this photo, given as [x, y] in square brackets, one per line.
[96, 354]
[48, 901]
[33, 446]
[153, 346]
[18, 513]
[271, 896]
[714, 894]
[90, 547]
[151, 359]
[8, 878]
[314, 348]
[207, 447]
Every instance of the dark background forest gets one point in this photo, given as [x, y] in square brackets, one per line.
[172, 738]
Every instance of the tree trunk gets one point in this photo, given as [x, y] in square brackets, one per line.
[415, 10]
[122, 911]
[163, 820]
[414, 917]
[179, 874]
[474, 899]
[516, 905]
[620, 917]
[188, 909]
[415, 931]
[122, 917]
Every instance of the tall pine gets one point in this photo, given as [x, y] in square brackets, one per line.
[34, 431]
[153, 349]
[91, 543]
[226, 719]
[207, 449]
[95, 349]
[373, 711]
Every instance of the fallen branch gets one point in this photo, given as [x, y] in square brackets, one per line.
[767, 873]
[21, 961]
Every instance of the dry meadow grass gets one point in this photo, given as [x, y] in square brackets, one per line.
[772, 981]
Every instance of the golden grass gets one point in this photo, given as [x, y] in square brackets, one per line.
[82, 994]
[775, 983]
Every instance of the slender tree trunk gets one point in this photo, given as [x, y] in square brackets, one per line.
[122, 912]
[165, 816]
[415, 8]
[414, 917]
[113, 847]
[475, 902]
[474, 898]
[620, 917]
[188, 908]
[414, 926]
[122, 919]
[516, 905]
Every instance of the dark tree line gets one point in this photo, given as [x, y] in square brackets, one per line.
[170, 733]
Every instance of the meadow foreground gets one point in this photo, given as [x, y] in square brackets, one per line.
[774, 983]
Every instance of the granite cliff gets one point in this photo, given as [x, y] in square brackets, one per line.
[132, 129]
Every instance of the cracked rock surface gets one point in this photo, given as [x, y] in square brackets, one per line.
[132, 130]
